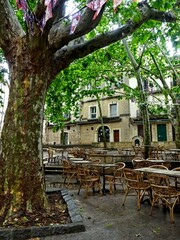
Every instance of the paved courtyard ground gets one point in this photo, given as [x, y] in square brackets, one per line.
[106, 219]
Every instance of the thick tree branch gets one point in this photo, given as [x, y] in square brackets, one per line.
[60, 34]
[67, 54]
[10, 28]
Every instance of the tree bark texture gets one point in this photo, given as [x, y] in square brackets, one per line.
[21, 161]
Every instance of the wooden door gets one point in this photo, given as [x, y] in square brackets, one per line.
[161, 132]
[116, 135]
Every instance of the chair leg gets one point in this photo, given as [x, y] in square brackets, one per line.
[139, 199]
[100, 189]
[150, 213]
[154, 200]
[126, 193]
[65, 179]
[110, 188]
[79, 189]
[114, 185]
[171, 214]
[171, 208]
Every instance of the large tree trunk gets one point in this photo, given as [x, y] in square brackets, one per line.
[22, 186]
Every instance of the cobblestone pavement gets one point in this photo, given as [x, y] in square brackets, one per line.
[106, 219]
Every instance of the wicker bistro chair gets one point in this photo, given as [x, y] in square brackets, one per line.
[159, 166]
[140, 162]
[134, 181]
[116, 176]
[88, 180]
[167, 164]
[163, 193]
[94, 168]
[176, 180]
[69, 171]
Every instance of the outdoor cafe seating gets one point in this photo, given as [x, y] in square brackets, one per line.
[88, 180]
[85, 172]
[116, 177]
[177, 180]
[139, 162]
[157, 152]
[69, 171]
[163, 193]
[159, 166]
[94, 167]
[101, 177]
[135, 182]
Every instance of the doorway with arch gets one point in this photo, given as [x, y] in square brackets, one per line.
[100, 134]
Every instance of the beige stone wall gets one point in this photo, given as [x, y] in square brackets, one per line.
[51, 137]
[55, 137]
[123, 107]
[74, 135]
[169, 143]
[87, 132]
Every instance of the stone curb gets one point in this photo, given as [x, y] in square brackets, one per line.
[77, 224]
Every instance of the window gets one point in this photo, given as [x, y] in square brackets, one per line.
[66, 115]
[93, 112]
[113, 110]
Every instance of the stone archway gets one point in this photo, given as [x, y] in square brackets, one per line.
[137, 141]
[100, 134]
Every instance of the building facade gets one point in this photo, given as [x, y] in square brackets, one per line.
[122, 122]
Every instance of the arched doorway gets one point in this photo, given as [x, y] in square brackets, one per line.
[107, 134]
